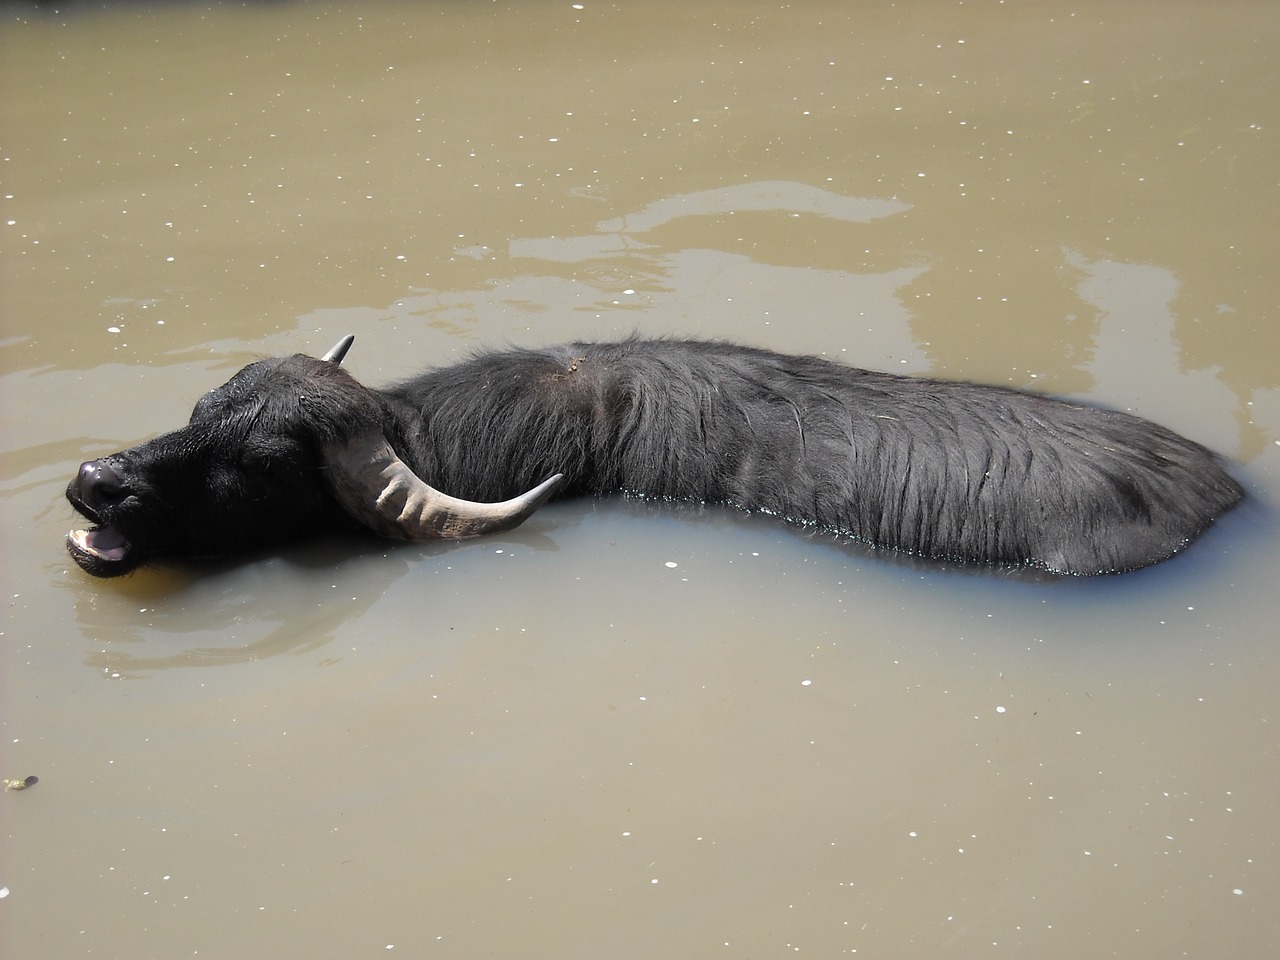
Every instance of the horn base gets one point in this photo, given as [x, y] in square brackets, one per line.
[378, 489]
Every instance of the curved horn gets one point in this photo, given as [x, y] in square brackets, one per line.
[340, 349]
[378, 489]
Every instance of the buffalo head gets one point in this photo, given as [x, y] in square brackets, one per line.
[286, 447]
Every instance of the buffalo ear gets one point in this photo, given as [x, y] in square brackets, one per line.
[339, 350]
[377, 488]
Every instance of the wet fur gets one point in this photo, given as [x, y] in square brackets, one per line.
[934, 468]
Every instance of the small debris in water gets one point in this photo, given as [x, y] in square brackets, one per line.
[21, 784]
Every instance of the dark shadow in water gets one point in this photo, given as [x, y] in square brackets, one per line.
[302, 594]
[1237, 534]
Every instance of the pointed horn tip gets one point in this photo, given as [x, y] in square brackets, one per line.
[339, 349]
[543, 491]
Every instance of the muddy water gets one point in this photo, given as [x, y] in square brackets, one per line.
[628, 730]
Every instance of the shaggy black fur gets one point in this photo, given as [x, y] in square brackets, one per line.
[934, 468]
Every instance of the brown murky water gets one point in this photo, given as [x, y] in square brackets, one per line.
[627, 730]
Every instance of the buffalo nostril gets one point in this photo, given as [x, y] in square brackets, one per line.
[98, 484]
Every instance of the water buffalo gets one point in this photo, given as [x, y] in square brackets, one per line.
[936, 469]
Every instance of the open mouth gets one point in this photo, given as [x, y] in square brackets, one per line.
[102, 543]
[101, 550]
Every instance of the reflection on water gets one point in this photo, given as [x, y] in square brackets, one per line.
[300, 597]
[769, 197]
[637, 729]
[1134, 303]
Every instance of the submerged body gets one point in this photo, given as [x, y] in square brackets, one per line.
[938, 469]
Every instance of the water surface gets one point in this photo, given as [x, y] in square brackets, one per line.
[628, 729]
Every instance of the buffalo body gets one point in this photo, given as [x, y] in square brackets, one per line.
[937, 469]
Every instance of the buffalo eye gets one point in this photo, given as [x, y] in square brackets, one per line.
[284, 467]
[267, 466]
[258, 468]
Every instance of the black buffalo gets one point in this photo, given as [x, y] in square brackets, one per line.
[937, 469]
